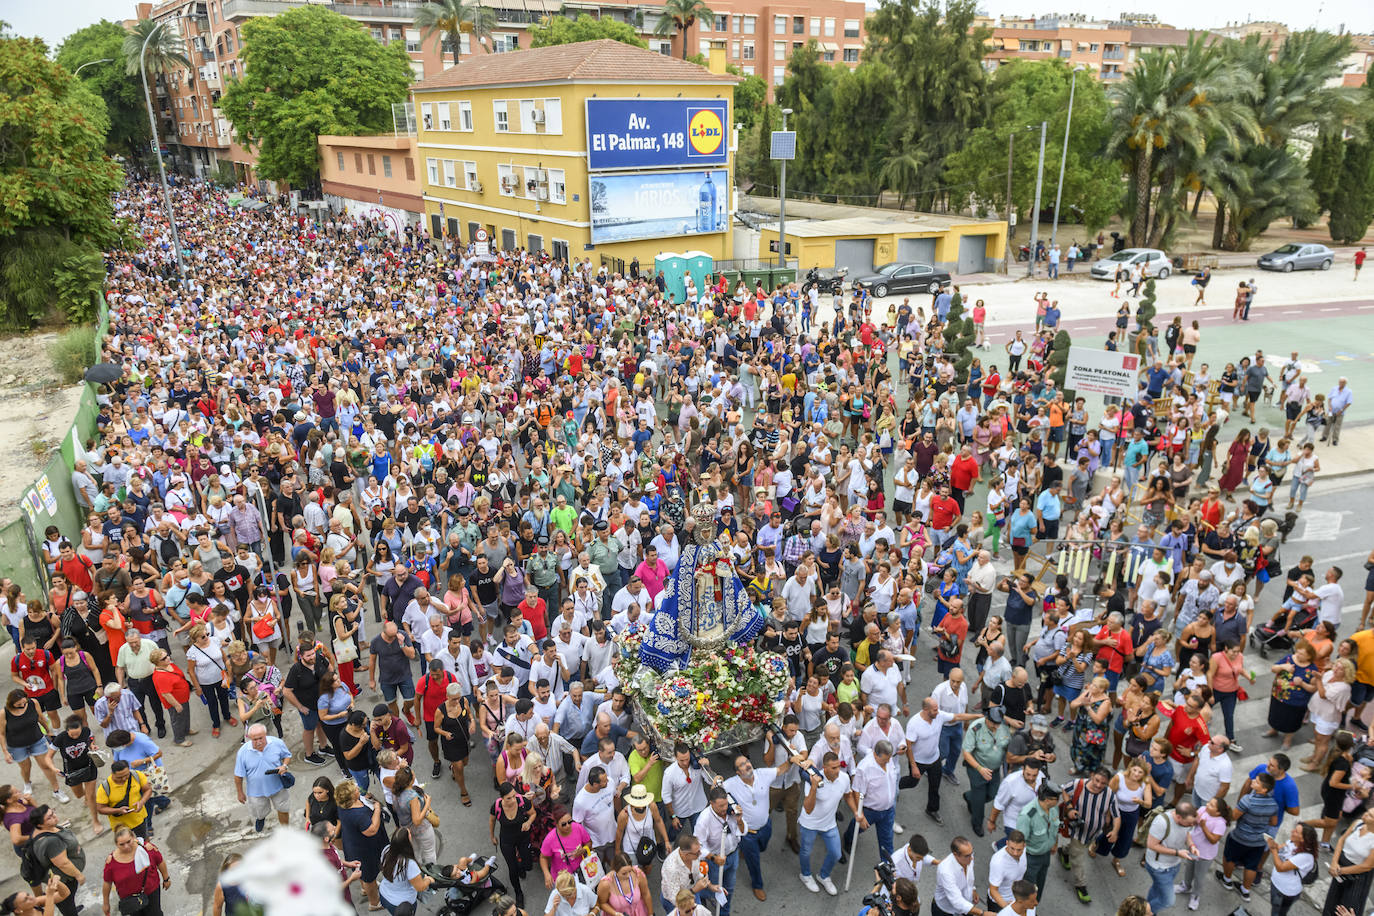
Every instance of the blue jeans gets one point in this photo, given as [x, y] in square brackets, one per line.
[831, 838]
[951, 746]
[724, 875]
[1161, 895]
[751, 845]
[1279, 905]
[881, 821]
[1054, 270]
[1228, 711]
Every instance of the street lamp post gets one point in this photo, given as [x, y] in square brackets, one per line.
[1035, 211]
[89, 63]
[157, 154]
[1068, 124]
[782, 202]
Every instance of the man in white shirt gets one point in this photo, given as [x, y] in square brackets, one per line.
[981, 579]
[1005, 868]
[1025, 897]
[882, 683]
[923, 749]
[786, 789]
[549, 666]
[875, 782]
[1016, 791]
[684, 791]
[594, 809]
[457, 661]
[522, 721]
[554, 749]
[882, 727]
[955, 887]
[633, 598]
[668, 546]
[833, 740]
[1211, 771]
[912, 859]
[750, 790]
[720, 830]
[611, 762]
[952, 695]
[824, 791]
[798, 593]
[1331, 596]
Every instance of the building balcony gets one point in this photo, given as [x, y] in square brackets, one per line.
[1114, 54]
[392, 12]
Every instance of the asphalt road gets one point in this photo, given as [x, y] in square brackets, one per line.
[206, 822]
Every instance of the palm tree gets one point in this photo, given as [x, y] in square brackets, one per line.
[166, 49]
[447, 19]
[1163, 116]
[680, 15]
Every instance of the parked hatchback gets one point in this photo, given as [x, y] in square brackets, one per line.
[1155, 263]
[1298, 257]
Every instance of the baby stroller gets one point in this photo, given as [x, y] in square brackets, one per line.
[1277, 634]
[466, 885]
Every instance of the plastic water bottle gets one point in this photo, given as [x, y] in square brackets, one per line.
[706, 206]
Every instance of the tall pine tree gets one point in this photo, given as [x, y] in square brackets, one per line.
[1352, 204]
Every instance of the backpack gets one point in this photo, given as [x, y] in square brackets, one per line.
[33, 871]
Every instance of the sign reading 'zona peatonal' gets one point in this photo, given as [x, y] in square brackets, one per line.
[656, 133]
[1092, 371]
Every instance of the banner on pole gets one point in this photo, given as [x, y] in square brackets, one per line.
[1093, 371]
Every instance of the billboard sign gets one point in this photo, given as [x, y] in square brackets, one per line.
[649, 205]
[1114, 374]
[656, 133]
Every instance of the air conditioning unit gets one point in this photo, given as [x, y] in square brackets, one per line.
[476, 186]
[537, 116]
[543, 192]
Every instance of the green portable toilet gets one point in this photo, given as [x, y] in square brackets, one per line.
[674, 267]
[702, 267]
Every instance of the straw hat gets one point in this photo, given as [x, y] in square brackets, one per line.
[639, 797]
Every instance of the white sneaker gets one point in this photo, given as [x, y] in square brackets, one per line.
[810, 884]
[897, 828]
[1194, 901]
[28, 788]
[829, 887]
[1180, 888]
[62, 797]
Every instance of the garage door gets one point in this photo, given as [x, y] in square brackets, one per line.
[922, 251]
[856, 254]
[972, 254]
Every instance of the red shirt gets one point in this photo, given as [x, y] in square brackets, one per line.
[1359, 258]
[1114, 656]
[962, 471]
[535, 614]
[77, 571]
[127, 881]
[433, 691]
[1186, 734]
[944, 511]
[40, 667]
[173, 681]
[956, 626]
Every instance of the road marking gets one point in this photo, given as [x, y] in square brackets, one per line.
[1327, 310]
[1343, 556]
[1321, 526]
[1293, 312]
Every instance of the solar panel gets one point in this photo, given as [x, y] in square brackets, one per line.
[784, 145]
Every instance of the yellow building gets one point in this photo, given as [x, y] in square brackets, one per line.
[594, 149]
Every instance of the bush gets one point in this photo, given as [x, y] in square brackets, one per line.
[74, 352]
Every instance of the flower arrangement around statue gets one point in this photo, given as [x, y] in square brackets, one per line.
[713, 694]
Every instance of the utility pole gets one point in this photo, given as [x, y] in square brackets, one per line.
[157, 154]
[1068, 125]
[1011, 251]
[1035, 211]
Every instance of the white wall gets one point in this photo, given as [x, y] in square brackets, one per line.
[396, 219]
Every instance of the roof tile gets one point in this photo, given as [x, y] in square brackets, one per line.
[602, 59]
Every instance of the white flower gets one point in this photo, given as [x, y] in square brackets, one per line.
[289, 876]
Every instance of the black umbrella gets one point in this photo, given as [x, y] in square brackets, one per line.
[103, 373]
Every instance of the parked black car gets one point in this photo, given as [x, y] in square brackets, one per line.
[902, 277]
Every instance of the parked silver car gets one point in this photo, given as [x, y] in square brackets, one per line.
[1298, 257]
[1154, 262]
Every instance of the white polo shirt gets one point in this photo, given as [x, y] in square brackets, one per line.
[881, 686]
[828, 796]
[923, 737]
[1003, 871]
[1211, 772]
[753, 799]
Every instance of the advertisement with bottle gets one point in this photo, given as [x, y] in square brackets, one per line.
[649, 205]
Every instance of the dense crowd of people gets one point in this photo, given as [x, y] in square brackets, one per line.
[395, 501]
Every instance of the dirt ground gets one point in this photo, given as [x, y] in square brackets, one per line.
[36, 410]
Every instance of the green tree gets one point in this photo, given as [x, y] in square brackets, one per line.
[560, 30]
[934, 56]
[1352, 207]
[1024, 93]
[1162, 116]
[123, 97]
[1144, 317]
[1324, 167]
[155, 47]
[751, 95]
[1258, 181]
[55, 188]
[293, 88]
[446, 20]
[1058, 361]
[678, 16]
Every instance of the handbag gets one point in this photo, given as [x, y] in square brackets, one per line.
[345, 651]
[288, 779]
[264, 628]
[158, 780]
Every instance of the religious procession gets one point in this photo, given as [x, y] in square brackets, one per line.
[510, 584]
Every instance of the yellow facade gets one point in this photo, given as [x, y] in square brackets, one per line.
[814, 245]
[512, 159]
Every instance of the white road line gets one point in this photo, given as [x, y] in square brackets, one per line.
[1329, 310]
[1293, 312]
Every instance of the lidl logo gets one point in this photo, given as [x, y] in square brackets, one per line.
[705, 132]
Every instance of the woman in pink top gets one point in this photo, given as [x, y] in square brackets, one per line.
[625, 889]
[1224, 671]
[563, 848]
[1211, 826]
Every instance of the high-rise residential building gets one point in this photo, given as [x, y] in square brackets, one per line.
[1106, 49]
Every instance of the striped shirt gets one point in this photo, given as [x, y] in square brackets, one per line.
[1095, 811]
[123, 713]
